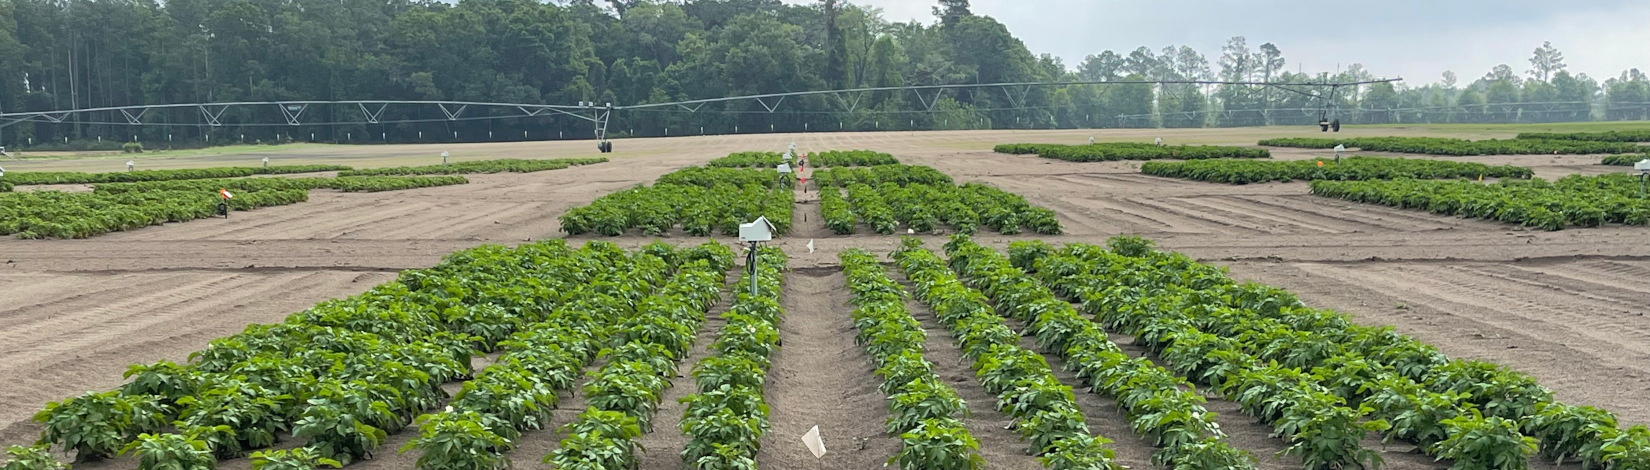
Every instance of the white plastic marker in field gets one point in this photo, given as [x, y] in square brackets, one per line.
[810, 245]
[129, 165]
[225, 193]
[814, 443]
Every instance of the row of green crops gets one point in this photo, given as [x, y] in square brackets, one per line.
[842, 158]
[1457, 147]
[839, 216]
[1625, 160]
[507, 165]
[726, 418]
[1606, 136]
[748, 160]
[1046, 416]
[623, 396]
[922, 208]
[1350, 169]
[1160, 406]
[707, 177]
[1313, 374]
[699, 211]
[1575, 200]
[127, 206]
[67, 177]
[833, 158]
[1113, 151]
[1320, 429]
[342, 375]
[53, 214]
[898, 174]
[247, 185]
[924, 412]
[542, 358]
[922, 198]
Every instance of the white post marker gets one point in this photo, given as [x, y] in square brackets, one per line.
[266, 162]
[443, 158]
[1338, 149]
[129, 165]
[814, 443]
[1159, 141]
[1091, 140]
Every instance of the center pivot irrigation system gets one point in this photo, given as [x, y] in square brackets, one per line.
[599, 114]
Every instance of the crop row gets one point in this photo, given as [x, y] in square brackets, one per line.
[1045, 412]
[923, 411]
[1606, 136]
[923, 208]
[748, 160]
[1625, 159]
[1350, 169]
[700, 211]
[707, 177]
[833, 158]
[543, 358]
[842, 158]
[901, 175]
[1320, 428]
[1292, 366]
[343, 374]
[507, 165]
[248, 185]
[839, 216]
[725, 420]
[922, 198]
[1160, 406]
[1457, 147]
[642, 356]
[69, 177]
[1575, 200]
[1113, 151]
[53, 214]
[126, 206]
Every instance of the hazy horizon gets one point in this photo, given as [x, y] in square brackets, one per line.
[1414, 40]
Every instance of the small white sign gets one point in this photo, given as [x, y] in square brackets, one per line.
[783, 168]
[814, 443]
[810, 245]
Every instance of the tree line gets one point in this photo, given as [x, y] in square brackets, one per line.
[75, 54]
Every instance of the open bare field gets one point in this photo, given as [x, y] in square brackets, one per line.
[1567, 307]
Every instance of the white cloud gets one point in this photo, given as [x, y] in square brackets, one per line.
[1415, 39]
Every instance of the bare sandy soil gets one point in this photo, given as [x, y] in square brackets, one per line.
[1565, 306]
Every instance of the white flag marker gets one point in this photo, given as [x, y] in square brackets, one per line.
[815, 445]
[810, 246]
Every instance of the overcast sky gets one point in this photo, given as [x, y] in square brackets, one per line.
[1414, 39]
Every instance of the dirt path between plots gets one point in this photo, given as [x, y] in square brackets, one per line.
[821, 378]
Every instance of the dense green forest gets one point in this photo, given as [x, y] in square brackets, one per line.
[63, 54]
